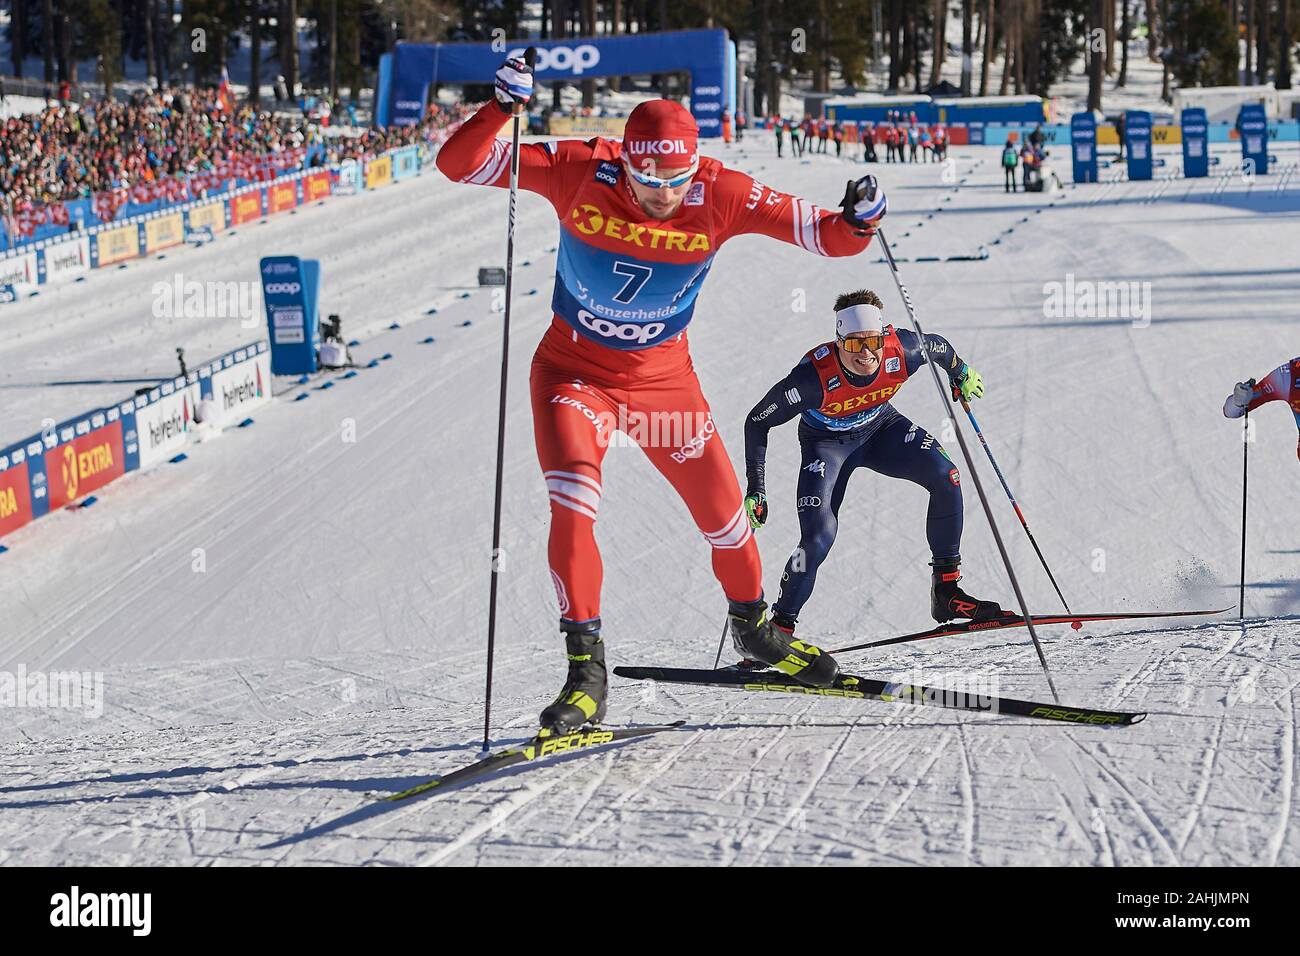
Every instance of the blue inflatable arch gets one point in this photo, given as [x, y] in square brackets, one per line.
[416, 68]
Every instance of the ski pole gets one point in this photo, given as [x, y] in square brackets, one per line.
[1245, 478]
[1014, 504]
[721, 641]
[970, 463]
[530, 56]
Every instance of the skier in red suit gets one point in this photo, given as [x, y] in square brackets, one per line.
[640, 223]
[1280, 385]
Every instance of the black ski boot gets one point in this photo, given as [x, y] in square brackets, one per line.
[949, 601]
[755, 636]
[784, 622]
[582, 700]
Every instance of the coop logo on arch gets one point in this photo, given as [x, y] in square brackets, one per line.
[563, 59]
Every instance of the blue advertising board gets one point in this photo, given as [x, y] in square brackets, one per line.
[1252, 126]
[1083, 147]
[406, 162]
[1137, 144]
[1196, 142]
[290, 289]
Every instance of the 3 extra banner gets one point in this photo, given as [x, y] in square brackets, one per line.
[15, 491]
[85, 459]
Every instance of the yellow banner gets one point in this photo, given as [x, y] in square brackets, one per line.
[163, 232]
[587, 126]
[1160, 136]
[118, 244]
[212, 216]
[379, 172]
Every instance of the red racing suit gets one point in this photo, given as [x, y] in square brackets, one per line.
[616, 356]
[1280, 385]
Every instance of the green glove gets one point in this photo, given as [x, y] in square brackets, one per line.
[756, 508]
[967, 385]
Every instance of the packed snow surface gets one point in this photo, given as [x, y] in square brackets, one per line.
[289, 624]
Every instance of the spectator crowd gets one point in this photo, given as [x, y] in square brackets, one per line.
[172, 143]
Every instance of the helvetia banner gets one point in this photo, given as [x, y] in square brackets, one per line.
[239, 383]
[19, 270]
[163, 424]
[66, 260]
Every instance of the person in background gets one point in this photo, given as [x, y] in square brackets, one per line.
[1028, 163]
[1009, 162]
[778, 126]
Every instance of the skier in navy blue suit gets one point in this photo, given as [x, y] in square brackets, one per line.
[842, 391]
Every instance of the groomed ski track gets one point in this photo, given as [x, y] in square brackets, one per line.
[332, 649]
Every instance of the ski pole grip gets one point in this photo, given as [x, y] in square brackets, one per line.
[530, 57]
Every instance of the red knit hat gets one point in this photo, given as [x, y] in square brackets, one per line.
[662, 132]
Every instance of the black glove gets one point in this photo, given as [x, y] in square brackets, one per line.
[864, 202]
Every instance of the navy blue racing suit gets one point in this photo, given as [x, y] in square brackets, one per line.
[881, 439]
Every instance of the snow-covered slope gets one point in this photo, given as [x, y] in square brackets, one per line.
[334, 643]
